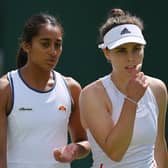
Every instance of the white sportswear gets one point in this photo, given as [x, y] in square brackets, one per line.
[37, 123]
[140, 153]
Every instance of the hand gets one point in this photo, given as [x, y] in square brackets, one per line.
[137, 84]
[66, 154]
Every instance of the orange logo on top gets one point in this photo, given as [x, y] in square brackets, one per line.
[62, 108]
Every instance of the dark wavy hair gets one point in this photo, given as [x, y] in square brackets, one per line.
[31, 29]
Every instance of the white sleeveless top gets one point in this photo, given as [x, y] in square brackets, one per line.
[140, 153]
[37, 123]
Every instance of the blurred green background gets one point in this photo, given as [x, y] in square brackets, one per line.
[81, 19]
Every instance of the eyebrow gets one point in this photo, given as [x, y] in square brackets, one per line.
[119, 48]
[122, 46]
[48, 39]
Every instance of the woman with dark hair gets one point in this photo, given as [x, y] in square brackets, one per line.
[38, 104]
[124, 111]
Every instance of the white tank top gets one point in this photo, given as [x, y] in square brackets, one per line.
[140, 153]
[37, 123]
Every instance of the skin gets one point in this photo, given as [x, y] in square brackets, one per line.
[43, 55]
[126, 63]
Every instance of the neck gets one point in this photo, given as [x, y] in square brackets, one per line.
[120, 82]
[37, 79]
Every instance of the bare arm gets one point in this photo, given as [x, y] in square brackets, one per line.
[114, 139]
[77, 132]
[98, 119]
[2, 137]
[4, 104]
[79, 147]
[160, 92]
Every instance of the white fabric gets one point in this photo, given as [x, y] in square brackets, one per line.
[36, 125]
[140, 153]
[126, 33]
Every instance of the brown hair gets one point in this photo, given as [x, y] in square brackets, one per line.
[117, 17]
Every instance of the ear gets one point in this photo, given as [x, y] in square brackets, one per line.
[26, 47]
[106, 53]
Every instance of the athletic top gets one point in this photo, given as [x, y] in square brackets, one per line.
[37, 123]
[140, 153]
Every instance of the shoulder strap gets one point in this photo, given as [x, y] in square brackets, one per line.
[69, 90]
[9, 77]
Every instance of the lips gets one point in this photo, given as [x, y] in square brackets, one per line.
[51, 62]
[130, 68]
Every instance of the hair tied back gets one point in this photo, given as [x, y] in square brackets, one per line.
[116, 13]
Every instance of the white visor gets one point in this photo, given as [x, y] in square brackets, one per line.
[122, 34]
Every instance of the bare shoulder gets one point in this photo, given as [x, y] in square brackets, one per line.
[5, 93]
[94, 86]
[157, 85]
[4, 84]
[94, 90]
[94, 101]
[72, 83]
[158, 88]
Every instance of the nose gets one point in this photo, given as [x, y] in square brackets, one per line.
[53, 51]
[131, 56]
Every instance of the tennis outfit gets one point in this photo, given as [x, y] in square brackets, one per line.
[140, 153]
[37, 123]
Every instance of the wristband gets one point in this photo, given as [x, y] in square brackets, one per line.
[131, 100]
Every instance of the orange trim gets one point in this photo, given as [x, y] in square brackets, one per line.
[62, 108]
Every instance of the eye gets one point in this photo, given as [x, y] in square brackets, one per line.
[137, 49]
[45, 44]
[58, 45]
[121, 50]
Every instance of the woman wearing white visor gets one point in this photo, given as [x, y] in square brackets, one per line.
[124, 111]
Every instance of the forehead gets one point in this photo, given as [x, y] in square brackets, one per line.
[49, 31]
[127, 45]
